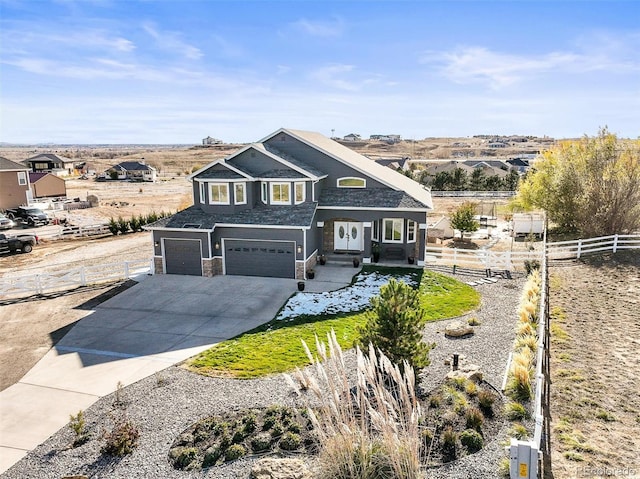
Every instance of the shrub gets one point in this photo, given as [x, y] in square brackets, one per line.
[133, 224]
[184, 457]
[435, 400]
[238, 436]
[471, 440]
[122, 439]
[235, 451]
[516, 411]
[459, 383]
[519, 384]
[261, 442]
[504, 468]
[211, 457]
[113, 226]
[123, 225]
[474, 418]
[519, 432]
[448, 442]
[486, 400]
[277, 429]
[525, 329]
[526, 342]
[471, 388]
[78, 425]
[249, 423]
[290, 441]
[531, 265]
[269, 421]
[474, 321]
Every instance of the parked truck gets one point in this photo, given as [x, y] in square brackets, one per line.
[13, 244]
[29, 216]
[525, 224]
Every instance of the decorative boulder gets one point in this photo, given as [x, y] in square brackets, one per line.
[457, 328]
[468, 371]
[272, 468]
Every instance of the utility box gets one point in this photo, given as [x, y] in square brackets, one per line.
[525, 224]
[523, 457]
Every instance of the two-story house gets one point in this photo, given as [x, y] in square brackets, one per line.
[272, 207]
[51, 163]
[15, 189]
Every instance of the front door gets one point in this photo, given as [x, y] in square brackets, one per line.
[347, 236]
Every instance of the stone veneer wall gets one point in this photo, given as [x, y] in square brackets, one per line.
[310, 263]
[157, 265]
[212, 266]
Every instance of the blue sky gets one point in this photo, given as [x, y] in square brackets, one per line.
[116, 71]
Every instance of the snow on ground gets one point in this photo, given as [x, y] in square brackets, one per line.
[352, 298]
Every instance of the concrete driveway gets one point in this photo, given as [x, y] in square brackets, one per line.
[159, 322]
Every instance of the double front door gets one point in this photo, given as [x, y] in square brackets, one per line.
[347, 236]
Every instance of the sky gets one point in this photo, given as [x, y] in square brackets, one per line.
[174, 72]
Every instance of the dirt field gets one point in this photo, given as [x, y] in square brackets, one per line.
[595, 402]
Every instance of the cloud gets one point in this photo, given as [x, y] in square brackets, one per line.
[171, 42]
[334, 76]
[317, 28]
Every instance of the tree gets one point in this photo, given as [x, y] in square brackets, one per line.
[511, 180]
[463, 220]
[442, 181]
[459, 180]
[395, 324]
[590, 186]
[476, 182]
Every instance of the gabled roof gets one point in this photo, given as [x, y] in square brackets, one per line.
[50, 157]
[235, 172]
[384, 175]
[33, 177]
[8, 165]
[132, 166]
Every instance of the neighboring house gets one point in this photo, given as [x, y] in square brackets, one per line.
[352, 137]
[15, 189]
[211, 141]
[272, 207]
[51, 163]
[441, 229]
[393, 163]
[387, 138]
[46, 185]
[132, 170]
[433, 168]
[521, 165]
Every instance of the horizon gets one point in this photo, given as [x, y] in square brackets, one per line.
[173, 73]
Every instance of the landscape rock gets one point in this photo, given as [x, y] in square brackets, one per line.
[273, 468]
[467, 371]
[457, 329]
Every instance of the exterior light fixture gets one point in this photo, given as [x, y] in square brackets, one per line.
[217, 245]
[299, 249]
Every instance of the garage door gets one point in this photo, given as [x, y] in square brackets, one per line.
[182, 257]
[260, 258]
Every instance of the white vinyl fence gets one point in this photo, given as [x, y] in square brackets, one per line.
[578, 248]
[481, 259]
[49, 282]
[59, 231]
[473, 194]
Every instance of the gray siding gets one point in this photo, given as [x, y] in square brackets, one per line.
[199, 235]
[256, 162]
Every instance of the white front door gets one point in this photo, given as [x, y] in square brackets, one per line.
[347, 236]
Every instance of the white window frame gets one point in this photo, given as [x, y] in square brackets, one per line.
[280, 185]
[243, 187]
[203, 192]
[212, 195]
[394, 222]
[264, 191]
[22, 178]
[375, 230]
[364, 182]
[411, 231]
[295, 192]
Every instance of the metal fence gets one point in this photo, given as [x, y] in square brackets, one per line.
[64, 280]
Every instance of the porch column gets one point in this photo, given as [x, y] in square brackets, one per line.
[422, 239]
[320, 237]
[366, 250]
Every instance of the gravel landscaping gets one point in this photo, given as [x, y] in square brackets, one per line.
[165, 405]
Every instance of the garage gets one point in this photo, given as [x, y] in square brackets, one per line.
[260, 258]
[183, 256]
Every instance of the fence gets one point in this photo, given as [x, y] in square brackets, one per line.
[60, 232]
[577, 248]
[474, 194]
[482, 259]
[48, 282]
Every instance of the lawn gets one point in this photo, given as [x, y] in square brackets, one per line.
[276, 347]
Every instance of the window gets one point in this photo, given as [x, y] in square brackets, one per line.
[411, 231]
[219, 194]
[240, 198]
[350, 182]
[22, 178]
[393, 230]
[280, 194]
[41, 166]
[203, 192]
[265, 193]
[300, 193]
[375, 234]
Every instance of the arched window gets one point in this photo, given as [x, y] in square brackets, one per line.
[352, 182]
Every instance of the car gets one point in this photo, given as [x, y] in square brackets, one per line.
[6, 223]
[28, 215]
[22, 243]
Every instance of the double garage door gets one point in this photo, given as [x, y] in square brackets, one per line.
[260, 258]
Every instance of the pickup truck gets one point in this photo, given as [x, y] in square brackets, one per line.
[29, 216]
[23, 243]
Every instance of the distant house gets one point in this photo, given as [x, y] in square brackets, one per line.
[519, 164]
[211, 141]
[497, 144]
[387, 138]
[47, 185]
[51, 163]
[352, 137]
[132, 170]
[15, 189]
[393, 163]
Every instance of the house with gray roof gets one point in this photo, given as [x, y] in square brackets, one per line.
[51, 163]
[273, 207]
[132, 170]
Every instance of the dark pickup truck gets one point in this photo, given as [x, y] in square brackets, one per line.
[23, 243]
[29, 216]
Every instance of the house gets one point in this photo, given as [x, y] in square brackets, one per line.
[352, 137]
[393, 163]
[211, 141]
[51, 163]
[271, 208]
[521, 165]
[388, 138]
[132, 170]
[15, 189]
[47, 185]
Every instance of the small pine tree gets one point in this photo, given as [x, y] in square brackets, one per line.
[113, 226]
[142, 220]
[395, 324]
[123, 225]
[134, 224]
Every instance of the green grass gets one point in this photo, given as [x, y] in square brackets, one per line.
[276, 347]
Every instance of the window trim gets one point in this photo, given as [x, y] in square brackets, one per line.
[384, 230]
[211, 195]
[295, 192]
[411, 231]
[264, 192]
[203, 192]
[375, 230]
[272, 187]
[364, 182]
[22, 178]
[244, 193]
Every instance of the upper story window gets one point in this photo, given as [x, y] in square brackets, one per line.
[265, 192]
[300, 193]
[280, 194]
[352, 182]
[41, 166]
[393, 230]
[240, 197]
[22, 178]
[203, 192]
[219, 193]
[411, 231]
